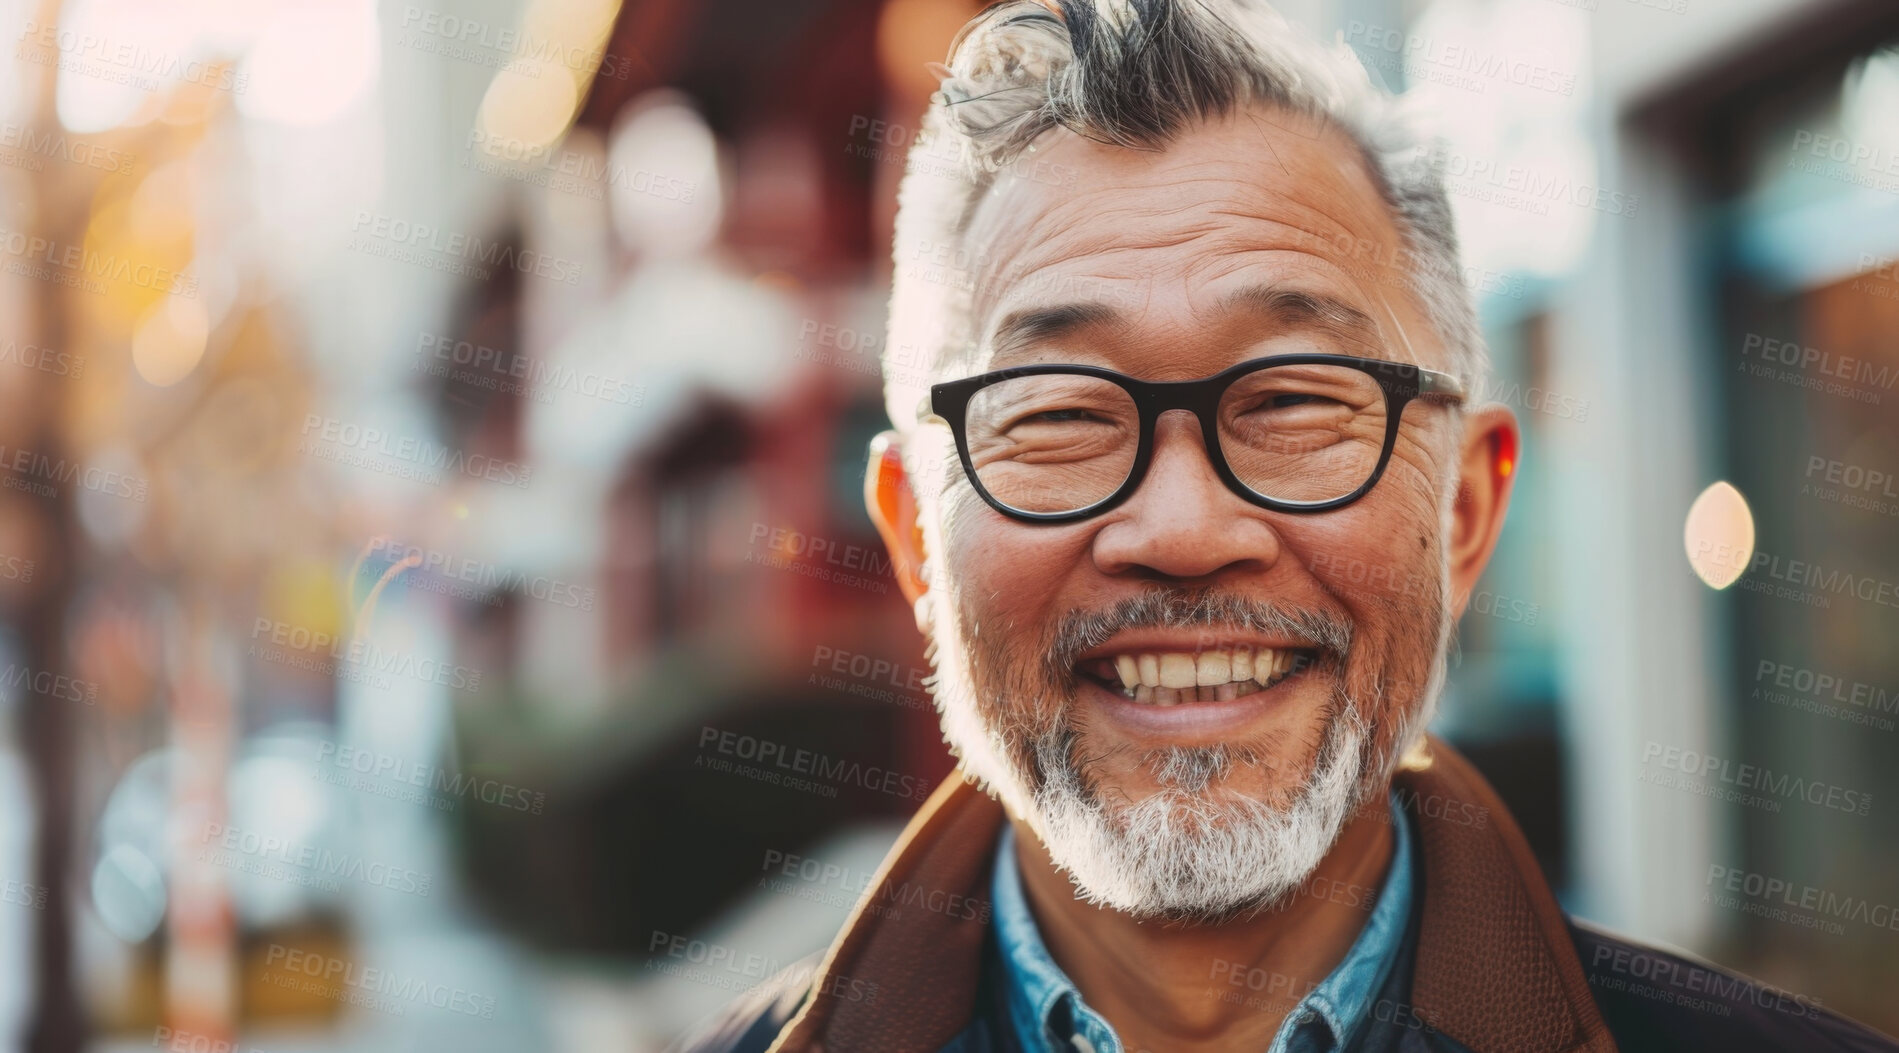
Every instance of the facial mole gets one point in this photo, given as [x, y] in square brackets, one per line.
[1422, 543]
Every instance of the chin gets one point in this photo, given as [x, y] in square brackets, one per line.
[1200, 846]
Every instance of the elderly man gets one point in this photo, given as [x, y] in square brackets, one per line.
[1188, 503]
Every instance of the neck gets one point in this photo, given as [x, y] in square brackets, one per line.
[1204, 987]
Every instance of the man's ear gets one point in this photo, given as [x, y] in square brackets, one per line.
[1487, 468]
[893, 508]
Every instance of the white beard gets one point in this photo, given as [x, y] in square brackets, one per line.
[1191, 850]
[1185, 853]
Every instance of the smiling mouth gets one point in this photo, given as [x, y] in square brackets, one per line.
[1172, 678]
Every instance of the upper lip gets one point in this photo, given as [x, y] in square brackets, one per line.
[1157, 641]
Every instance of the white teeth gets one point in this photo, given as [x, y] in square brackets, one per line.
[1263, 663]
[1177, 670]
[1169, 678]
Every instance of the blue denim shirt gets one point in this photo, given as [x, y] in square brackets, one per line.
[1048, 1013]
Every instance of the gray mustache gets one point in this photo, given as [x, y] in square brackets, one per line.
[1081, 631]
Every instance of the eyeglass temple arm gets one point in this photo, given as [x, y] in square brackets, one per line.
[1432, 384]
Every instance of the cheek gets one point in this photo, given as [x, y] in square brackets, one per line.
[1004, 572]
[1382, 558]
[1418, 459]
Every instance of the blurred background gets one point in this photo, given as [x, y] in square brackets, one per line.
[432, 438]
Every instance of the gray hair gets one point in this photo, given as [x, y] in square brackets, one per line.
[1134, 73]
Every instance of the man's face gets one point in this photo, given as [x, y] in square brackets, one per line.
[1223, 795]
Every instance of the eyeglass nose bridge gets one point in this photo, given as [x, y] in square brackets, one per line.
[1147, 446]
[1155, 399]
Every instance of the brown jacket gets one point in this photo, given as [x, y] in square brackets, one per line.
[1495, 964]
[1498, 967]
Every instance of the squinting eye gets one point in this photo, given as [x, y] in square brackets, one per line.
[1061, 416]
[1281, 401]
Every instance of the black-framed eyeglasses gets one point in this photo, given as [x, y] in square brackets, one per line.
[1293, 433]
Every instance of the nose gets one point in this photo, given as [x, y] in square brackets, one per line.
[1183, 522]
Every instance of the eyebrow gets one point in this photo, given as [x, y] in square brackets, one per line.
[1288, 308]
[1035, 324]
[1292, 307]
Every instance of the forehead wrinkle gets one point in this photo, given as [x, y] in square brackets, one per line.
[1108, 239]
[1093, 227]
[1317, 214]
[1054, 236]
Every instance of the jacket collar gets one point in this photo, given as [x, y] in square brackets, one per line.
[1494, 969]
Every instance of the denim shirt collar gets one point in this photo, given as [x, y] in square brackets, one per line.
[1046, 1008]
